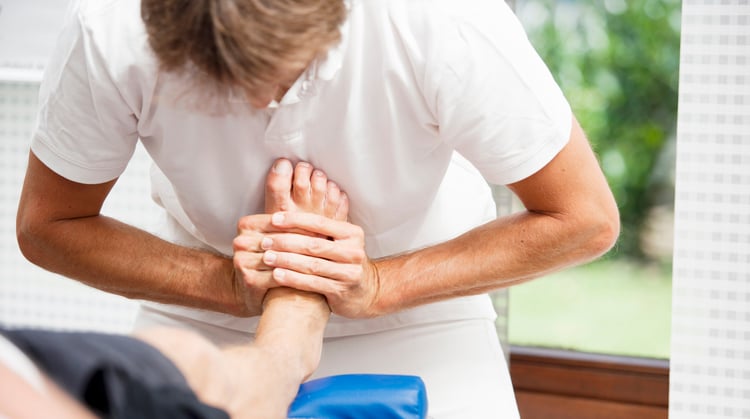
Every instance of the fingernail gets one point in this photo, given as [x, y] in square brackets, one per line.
[279, 273]
[282, 167]
[277, 218]
[269, 257]
[266, 243]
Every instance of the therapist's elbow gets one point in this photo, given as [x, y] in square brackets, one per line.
[27, 244]
[603, 229]
[31, 236]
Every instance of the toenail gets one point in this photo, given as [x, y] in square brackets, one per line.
[282, 167]
[318, 173]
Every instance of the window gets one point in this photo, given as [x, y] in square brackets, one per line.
[617, 63]
[594, 341]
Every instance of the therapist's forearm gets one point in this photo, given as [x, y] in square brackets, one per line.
[118, 258]
[59, 227]
[499, 254]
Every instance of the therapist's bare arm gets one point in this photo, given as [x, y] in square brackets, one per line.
[60, 228]
[571, 217]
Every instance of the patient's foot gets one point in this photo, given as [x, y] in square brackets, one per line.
[304, 188]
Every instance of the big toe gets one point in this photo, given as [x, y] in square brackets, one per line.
[279, 186]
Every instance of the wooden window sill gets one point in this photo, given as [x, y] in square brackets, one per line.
[553, 383]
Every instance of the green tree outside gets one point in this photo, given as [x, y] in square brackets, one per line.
[617, 62]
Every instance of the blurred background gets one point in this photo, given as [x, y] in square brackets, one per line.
[617, 62]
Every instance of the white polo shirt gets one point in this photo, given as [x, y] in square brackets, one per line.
[385, 114]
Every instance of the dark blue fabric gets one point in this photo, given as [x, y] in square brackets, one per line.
[361, 396]
[115, 376]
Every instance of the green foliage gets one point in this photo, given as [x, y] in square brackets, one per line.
[617, 62]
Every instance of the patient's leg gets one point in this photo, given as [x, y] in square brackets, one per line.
[261, 380]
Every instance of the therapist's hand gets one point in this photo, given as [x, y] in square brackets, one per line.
[301, 188]
[332, 262]
[252, 278]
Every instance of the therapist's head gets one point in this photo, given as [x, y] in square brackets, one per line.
[256, 46]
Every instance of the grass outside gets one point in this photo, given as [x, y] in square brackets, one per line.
[610, 307]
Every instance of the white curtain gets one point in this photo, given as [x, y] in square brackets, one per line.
[710, 355]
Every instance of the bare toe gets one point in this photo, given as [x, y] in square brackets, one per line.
[333, 199]
[318, 190]
[342, 211]
[304, 188]
[279, 186]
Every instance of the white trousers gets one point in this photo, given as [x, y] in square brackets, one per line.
[461, 362]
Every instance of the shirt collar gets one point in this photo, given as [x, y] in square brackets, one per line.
[323, 68]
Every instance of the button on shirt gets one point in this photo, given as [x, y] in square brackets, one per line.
[418, 107]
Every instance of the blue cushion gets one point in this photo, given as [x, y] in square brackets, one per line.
[361, 396]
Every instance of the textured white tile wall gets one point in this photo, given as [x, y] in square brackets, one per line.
[710, 356]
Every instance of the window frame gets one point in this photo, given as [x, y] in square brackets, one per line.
[567, 384]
